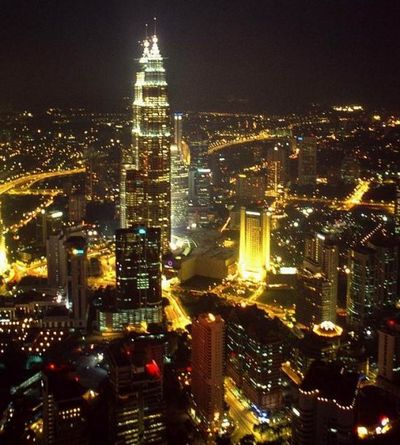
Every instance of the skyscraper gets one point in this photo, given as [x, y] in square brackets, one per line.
[76, 256]
[397, 210]
[208, 369]
[3, 252]
[254, 253]
[136, 397]
[389, 351]
[322, 256]
[138, 270]
[360, 284]
[179, 177]
[307, 160]
[149, 154]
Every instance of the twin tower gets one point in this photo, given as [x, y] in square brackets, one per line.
[145, 190]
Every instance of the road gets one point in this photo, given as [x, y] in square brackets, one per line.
[240, 411]
[175, 313]
[30, 179]
[355, 197]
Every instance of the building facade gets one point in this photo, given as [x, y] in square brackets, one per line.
[149, 154]
[208, 369]
[254, 251]
[138, 274]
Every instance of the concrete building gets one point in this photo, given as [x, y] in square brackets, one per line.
[250, 188]
[307, 171]
[254, 251]
[325, 410]
[76, 279]
[255, 349]
[138, 274]
[208, 370]
[136, 404]
[389, 351]
[56, 261]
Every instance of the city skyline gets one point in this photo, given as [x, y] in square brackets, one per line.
[296, 53]
[172, 276]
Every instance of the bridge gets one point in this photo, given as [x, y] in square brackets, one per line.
[30, 179]
[252, 137]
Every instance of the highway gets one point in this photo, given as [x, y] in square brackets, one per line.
[30, 179]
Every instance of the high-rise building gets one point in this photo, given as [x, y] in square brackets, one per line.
[3, 250]
[254, 253]
[137, 408]
[315, 304]
[321, 256]
[138, 271]
[397, 210]
[360, 284]
[179, 177]
[255, 350]
[389, 351]
[325, 410]
[277, 160]
[307, 173]
[64, 413]
[76, 207]
[200, 180]
[208, 369]
[149, 154]
[76, 257]
[56, 261]
[373, 277]
[250, 188]
[51, 223]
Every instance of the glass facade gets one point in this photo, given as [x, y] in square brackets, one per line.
[138, 270]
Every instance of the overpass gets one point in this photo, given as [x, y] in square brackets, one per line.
[29, 179]
[252, 137]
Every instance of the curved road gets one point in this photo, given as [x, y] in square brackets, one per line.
[35, 177]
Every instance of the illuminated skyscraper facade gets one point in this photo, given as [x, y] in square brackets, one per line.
[179, 177]
[208, 369]
[138, 270]
[307, 160]
[254, 253]
[149, 154]
[3, 252]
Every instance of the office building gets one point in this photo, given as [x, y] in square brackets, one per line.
[386, 270]
[372, 279]
[250, 188]
[254, 252]
[56, 261]
[277, 160]
[255, 351]
[360, 285]
[200, 182]
[208, 370]
[64, 411]
[76, 207]
[138, 274]
[307, 171]
[76, 278]
[3, 249]
[136, 405]
[325, 410]
[321, 256]
[149, 154]
[389, 351]
[179, 177]
[397, 210]
[314, 304]
[50, 223]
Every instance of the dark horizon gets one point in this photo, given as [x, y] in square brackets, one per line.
[230, 56]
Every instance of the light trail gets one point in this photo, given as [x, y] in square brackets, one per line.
[29, 180]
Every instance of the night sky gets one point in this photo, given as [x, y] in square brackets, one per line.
[255, 55]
